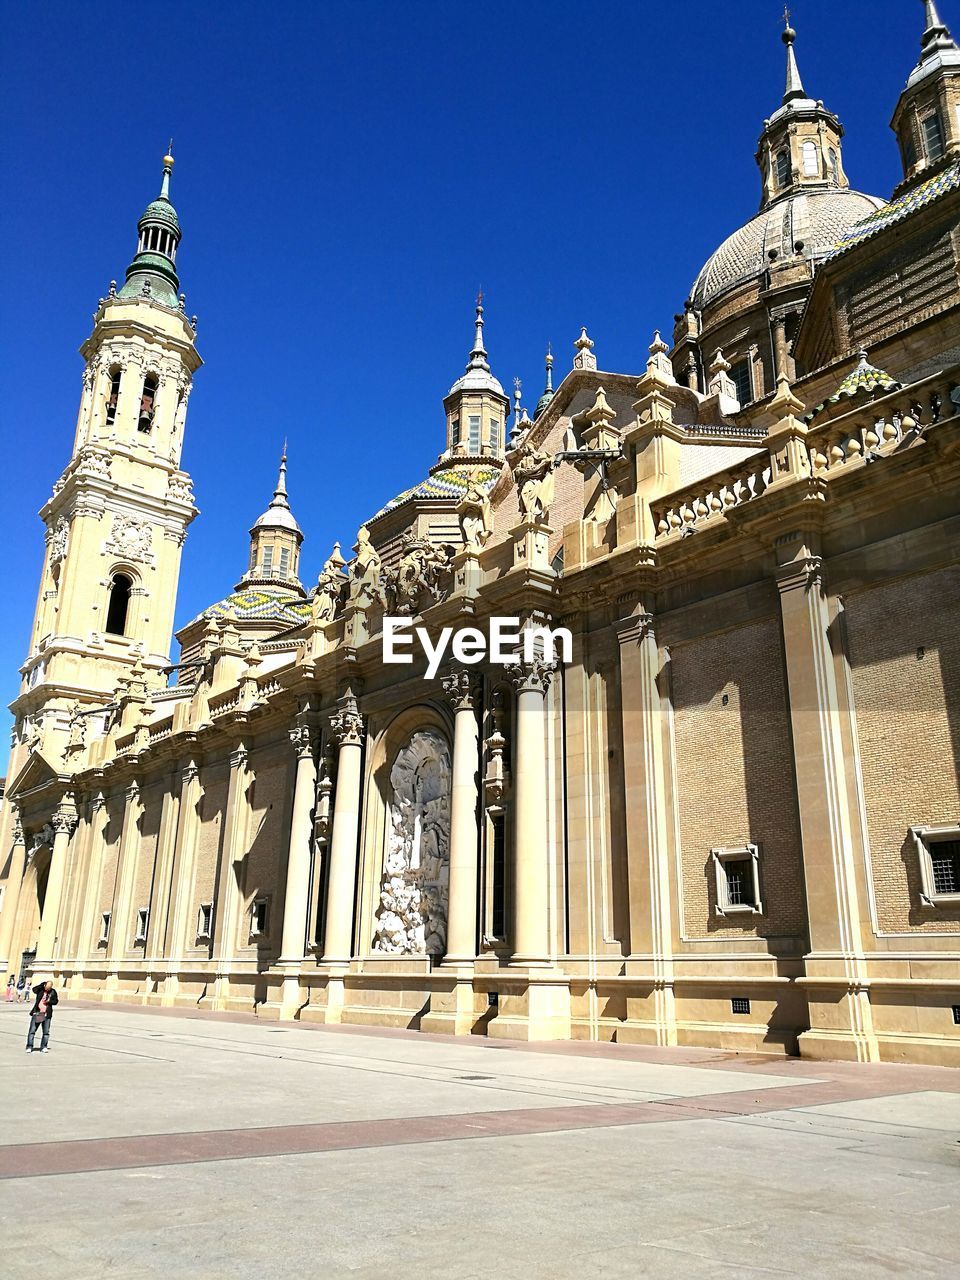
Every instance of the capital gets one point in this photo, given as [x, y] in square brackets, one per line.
[531, 677]
[301, 739]
[346, 725]
[63, 823]
[459, 688]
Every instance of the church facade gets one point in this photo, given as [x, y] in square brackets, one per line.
[730, 818]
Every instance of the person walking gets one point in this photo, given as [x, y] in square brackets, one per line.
[11, 989]
[41, 1013]
[21, 989]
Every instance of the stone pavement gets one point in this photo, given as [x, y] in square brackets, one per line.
[179, 1144]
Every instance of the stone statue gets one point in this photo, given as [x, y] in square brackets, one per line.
[364, 571]
[534, 475]
[475, 516]
[412, 915]
[421, 570]
[329, 592]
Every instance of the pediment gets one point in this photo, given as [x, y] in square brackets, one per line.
[36, 774]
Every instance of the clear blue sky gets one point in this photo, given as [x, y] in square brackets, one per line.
[346, 175]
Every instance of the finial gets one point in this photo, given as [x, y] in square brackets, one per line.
[548, 362]
[280, 493]
[794, 88]
[584, 359]
[658, 346]
[936, 34]
[167, 170]
[517, 393]
[478, 356]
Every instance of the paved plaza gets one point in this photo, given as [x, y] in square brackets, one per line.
[149, 1143]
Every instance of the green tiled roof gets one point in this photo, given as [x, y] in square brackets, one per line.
[947, 180]
[258, 604]
[865, 378]
[451, 482]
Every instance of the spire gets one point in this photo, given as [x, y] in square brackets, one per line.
[278, 514]
[152, 273]
[548, 388]
[478, 356]
[936, 34]
[794, 89]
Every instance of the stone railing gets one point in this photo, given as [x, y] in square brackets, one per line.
[221, 703]
[159, 730]
[691, 507]
[878, 427]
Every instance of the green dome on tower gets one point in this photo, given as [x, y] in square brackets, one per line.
[152, 273]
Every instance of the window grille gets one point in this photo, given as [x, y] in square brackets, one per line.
[739, 1004]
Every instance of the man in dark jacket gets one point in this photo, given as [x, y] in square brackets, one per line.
[45, 997]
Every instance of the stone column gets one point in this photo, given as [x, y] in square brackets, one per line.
[296, 899]
[347, 728]
[651, 1017]
[464, 830]
[180, 924]
[836, 972]
[126, 876]
[780, 347]
[226, 910]
[11, 899]
[64, 823]
[456, 1010]
[531, 924]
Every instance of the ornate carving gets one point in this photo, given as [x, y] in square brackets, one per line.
[412, 916]
[59, 540]
[64, 823]
[474, 514]
[460, 688]
[364, 571]
[18, 837]
[301, 739]
[346, 725]
[331, 587]
[131, 539]
[421, 574]
[533, 473]
[533, 676]
[180, 488]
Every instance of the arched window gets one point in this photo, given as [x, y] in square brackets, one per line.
[112, 396]
[811, 165]
[783, 168]
[119, 604]
[147, 402]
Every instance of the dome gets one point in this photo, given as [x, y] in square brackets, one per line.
[261, 604]
[161, 210]
[445, 483]
[477, 379]
[277, 517]
[818, 218]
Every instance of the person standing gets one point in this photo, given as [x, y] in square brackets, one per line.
[41, 1014]
[11, 989]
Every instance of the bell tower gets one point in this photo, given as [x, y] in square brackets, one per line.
[116, 520]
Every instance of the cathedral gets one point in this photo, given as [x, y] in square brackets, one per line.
[729, 816]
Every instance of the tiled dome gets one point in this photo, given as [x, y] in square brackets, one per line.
[818, 218]
[263, 604]
[447, 482]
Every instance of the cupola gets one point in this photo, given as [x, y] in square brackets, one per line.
[927, 116]
[476, 406]
[153, 273]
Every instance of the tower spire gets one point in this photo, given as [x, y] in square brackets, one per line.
[153, 274]
[548, 387]
[794, 88]
[936, 34]
[478, 356]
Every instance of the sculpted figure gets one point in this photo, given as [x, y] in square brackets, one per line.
[330, 587]
[475, 516]
[533, 472]
[365, 570]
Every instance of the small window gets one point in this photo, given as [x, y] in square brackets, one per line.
[104, 927]
[495, 434]
[204, 920]
[143, 917]
[956, 1015]
[933, 136]
[148, 400]
[834, 167]
[738, 880]
[119, 604]
[811, 162]
[267, 560]
[113, 395]
[454, 432]
[742, 380]
[474, 442]
[258, 918]
[739, 1004]
[284, 561]
[909, 152]
[783, 169]
[938, 850]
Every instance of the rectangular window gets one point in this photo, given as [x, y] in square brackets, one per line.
[474, 440]
[204, 920]
[267, 560]
[258, 918]
[284, 561]
[956, 1014]
[938, 852]
[104, 927]
[737, 873]
[495, 435]
[933, 137]
[143, 917]
[454, 432]
[740, 373]
[739, 1004]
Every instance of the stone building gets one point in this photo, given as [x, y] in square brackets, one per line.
[731, 817]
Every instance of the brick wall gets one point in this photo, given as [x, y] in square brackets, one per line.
[735, 780]
[908, 730]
